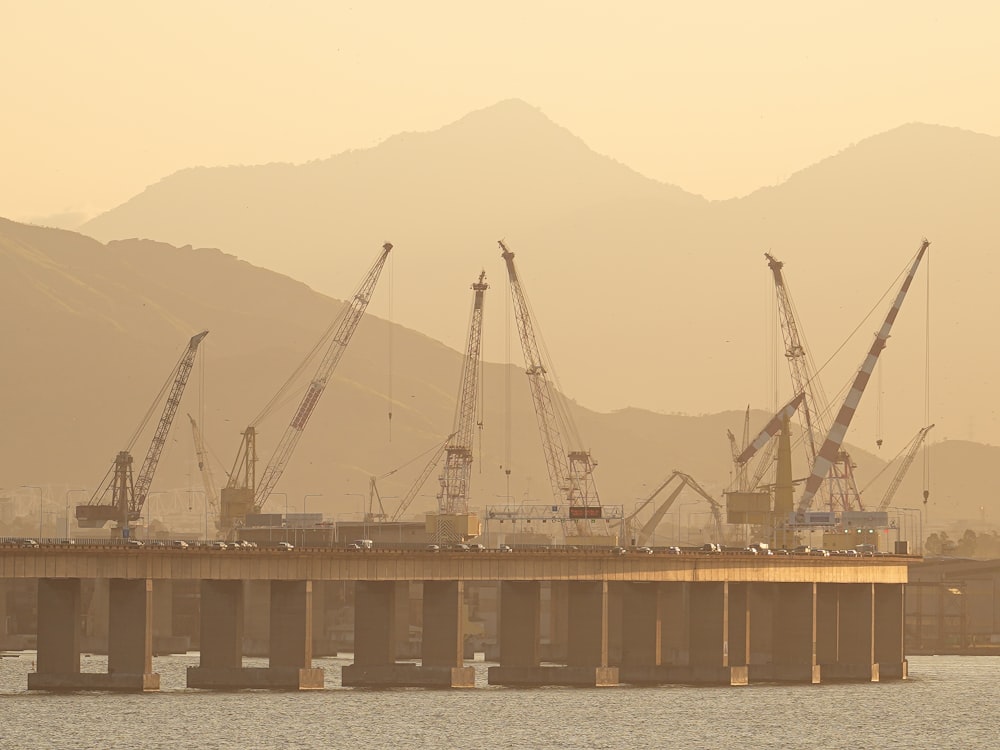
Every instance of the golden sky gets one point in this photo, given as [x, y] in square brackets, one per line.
[104, 98]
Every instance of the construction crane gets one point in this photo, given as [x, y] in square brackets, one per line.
[243, 494]
[571, 474]
[128, 496]
[644, 534]
[832, 446]
[909, 452]
[454, 495]
[842, 487]
[205, 468]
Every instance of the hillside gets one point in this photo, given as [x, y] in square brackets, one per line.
[96, 328]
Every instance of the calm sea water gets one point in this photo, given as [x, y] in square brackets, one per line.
[950, 702]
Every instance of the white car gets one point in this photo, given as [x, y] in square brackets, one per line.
[286, 546]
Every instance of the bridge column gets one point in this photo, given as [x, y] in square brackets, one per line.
[221, 650]
[642, 619]
[674, 631]
[130, 635]
[616, 622]
[889, 622]
[587, 637]
[558, 631]
[4, 630]
[375, 636]
[58, 643]
[290, 652]
[855, 635]
[587, 649]
[827, 623]
[793, 636]
[290, 642]
[708, 623]
[130, 638]
[761, 599]
[520, 625]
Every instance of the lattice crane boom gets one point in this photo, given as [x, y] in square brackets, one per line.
[831, 449]
[570, 474]
[813, 405]
[181, 374]
[342, 331]
[910, 453]
[454, 479]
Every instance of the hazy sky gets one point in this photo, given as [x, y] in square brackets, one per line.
[102, 98]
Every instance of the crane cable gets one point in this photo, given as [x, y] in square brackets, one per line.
[506, 387]
[927, 385]
[392, 261]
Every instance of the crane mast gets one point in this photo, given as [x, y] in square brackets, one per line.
[243, 493]
[454, 495]
[127, 496]
[570, 474]
[831, 449]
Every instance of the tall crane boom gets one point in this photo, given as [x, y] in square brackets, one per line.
[128, 496]
[835, 437]
[454, 496]
[803, 382]
[570, 474]
[344, 329]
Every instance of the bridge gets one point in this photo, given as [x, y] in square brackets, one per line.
[743, 618]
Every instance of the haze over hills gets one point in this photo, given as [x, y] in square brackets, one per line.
[95, 330]
[647, 295]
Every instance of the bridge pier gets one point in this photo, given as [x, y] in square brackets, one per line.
[290, 660]
[792, 653]
[587, 637]
[376, 613]
[890, 617]
[855, 635]
[130, 638]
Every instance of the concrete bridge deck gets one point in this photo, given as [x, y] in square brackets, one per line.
[337, 564]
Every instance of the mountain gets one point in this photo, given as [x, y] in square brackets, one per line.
[647, 296]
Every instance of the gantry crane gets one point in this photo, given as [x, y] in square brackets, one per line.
[205, 468]
[571, 474]
[128, 496]
[832, 446]
[243, 494]
[841, 487]
[454, 495]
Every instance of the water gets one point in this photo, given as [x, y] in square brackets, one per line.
[950, 702]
